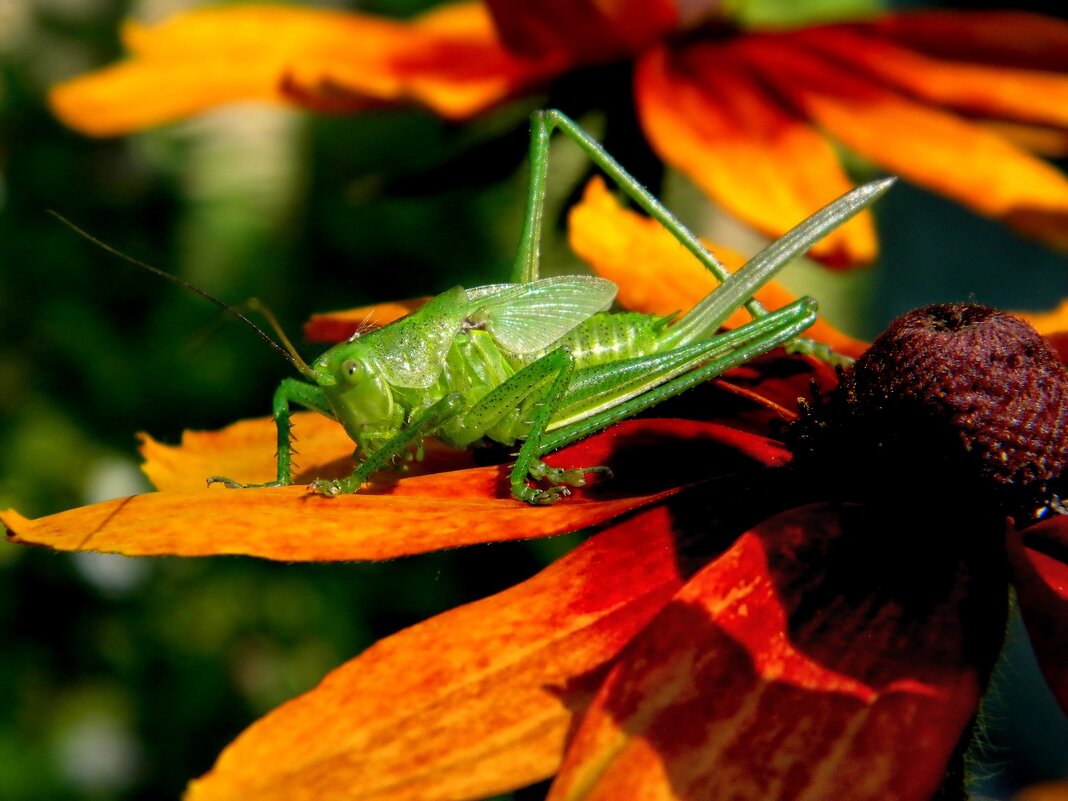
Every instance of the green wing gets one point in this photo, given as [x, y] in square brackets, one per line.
[529, 317]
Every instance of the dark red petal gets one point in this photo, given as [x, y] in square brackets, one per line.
[1039, 558]
[1015, 38]
[805, 662]
[587, 31]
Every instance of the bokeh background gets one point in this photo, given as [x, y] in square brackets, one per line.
[122, 678]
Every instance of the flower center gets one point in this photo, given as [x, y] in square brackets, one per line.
[956, 404]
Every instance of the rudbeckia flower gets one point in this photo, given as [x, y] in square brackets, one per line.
[773, 603]
[961, 103]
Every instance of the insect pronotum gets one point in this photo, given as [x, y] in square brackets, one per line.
[539, 361]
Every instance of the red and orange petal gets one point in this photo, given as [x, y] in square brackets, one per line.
[706, 113]
[1040, 573]
[928, 145]
[766, 679]
[340, 325]
[586, 31]
[489, 712]
[448, 60]
[655, 274]
[982, 90]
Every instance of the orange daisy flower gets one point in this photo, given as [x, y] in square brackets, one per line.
[736, 620]
[960, 103]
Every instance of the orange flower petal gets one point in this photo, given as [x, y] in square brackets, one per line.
[935, 149]
[705, 113]
[1046, 791]
[1041, 140]
[588, 31]
[1040, 573]
[288, 524]
[387, 519]
[245, 450]
[766, 679]
[473, 702]
[1001, 92]
[655, 274]
[1017, 38]
[448, 60]
[340, 325]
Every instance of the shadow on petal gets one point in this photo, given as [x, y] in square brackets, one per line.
[763, 677]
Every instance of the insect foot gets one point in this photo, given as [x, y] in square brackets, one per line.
[960, 406]
[331, 488]
[572, 477]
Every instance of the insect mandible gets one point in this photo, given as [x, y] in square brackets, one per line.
[540, 361]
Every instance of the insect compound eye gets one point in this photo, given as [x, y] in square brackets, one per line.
[352, 370]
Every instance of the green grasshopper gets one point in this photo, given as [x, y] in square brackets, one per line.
[540, 361]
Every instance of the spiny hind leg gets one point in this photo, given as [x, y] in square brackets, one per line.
[289, 391]
[539, 388]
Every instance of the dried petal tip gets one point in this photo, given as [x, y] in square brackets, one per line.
[958, 404]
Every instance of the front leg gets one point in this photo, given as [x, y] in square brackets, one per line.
[426, 424]
[289, 391]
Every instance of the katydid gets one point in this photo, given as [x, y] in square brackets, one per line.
[540, 361]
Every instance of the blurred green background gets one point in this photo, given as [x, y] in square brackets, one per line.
[124, 678]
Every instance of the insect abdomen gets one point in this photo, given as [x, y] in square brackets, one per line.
[606, 338]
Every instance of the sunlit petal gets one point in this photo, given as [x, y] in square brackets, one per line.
[655, 274]
[470, 703]
[929, 146]
[706, 113]
[765, 679]
[650, 460]
[1039, 556]
[448, 60]
[288, 524]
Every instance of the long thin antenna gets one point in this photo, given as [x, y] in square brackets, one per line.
[289, 355]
